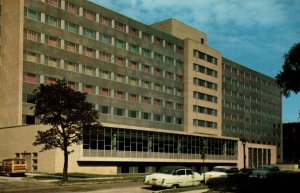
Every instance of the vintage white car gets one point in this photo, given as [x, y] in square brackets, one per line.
[220, 172]
[174, 177]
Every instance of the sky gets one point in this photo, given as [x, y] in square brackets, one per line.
[255, 33]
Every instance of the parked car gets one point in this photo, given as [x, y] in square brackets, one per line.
[173, 177]
[263, 170]
[220, 172]
[247, 171]
[13, 166]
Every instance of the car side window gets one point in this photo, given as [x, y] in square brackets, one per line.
[180, 172]
[189, 172]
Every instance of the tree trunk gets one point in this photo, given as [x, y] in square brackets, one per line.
[66, 161]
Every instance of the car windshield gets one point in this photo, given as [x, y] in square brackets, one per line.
[166, 171]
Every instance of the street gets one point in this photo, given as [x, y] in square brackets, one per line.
[22, 185]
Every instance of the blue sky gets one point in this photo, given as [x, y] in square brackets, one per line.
[254, 33]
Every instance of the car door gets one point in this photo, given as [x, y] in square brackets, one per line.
[183, 178]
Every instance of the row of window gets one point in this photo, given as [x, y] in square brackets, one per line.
[88, 14]
[31, 14]
[204, 56]
[139, 115]
[203, 123]
[230, 81]
[205, 70]
[252, 99]
[250, 131]
[146, 141]
[74, 67]
[247, 119]
[107, 57]
[275, 113]
[205, 97]
[249, 76]
[106, 92]
[205, 110]
[204, 83]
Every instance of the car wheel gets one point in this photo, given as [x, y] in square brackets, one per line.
[174, 186]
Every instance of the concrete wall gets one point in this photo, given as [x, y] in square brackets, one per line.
[11, 68]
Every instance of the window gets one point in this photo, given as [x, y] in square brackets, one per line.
[169, 90]
[105, 56]
[120, 95]
[146, 100]
[72, 27]
[179, 49]
[133, 97]
[31, 35]
[120, 26]
[55, 3]
[52, 41]
[105, 21]
[158, 57]
[146, 84]
[157, 72]
[71, 8]
[133, 81]
[71, 66]
[89, 52]
[158, 87]
[105, 74]
[120, 44]
[53, 21]
[32, 57]
[169, 75]
[158, 41]
[133, 65]
[146, 115]
[105, 92]
[51, 80]
[89, 33]
[51, 61]
[179, 106]
[168, 119]
[157, 117]
[89, 14]
[120, 61]
[146, 52]
[133, 48]
[157, 102]
[169, 104]
[89, 89]
[120, 78]
[146, 37]
[133, 114]
[133, 32]
[119, 112]
[89, 70]
[31, 14]
[179, 78]
[178, 121]
[105, 110]
[179, 64]
[169, 45]
[72, 47]
[29, 98]
[31, 78]
[73, 85]
[105, 39]
[169, 61]
[146, 68]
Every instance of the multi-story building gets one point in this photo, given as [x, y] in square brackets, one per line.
[252, 107]
[158, 88]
